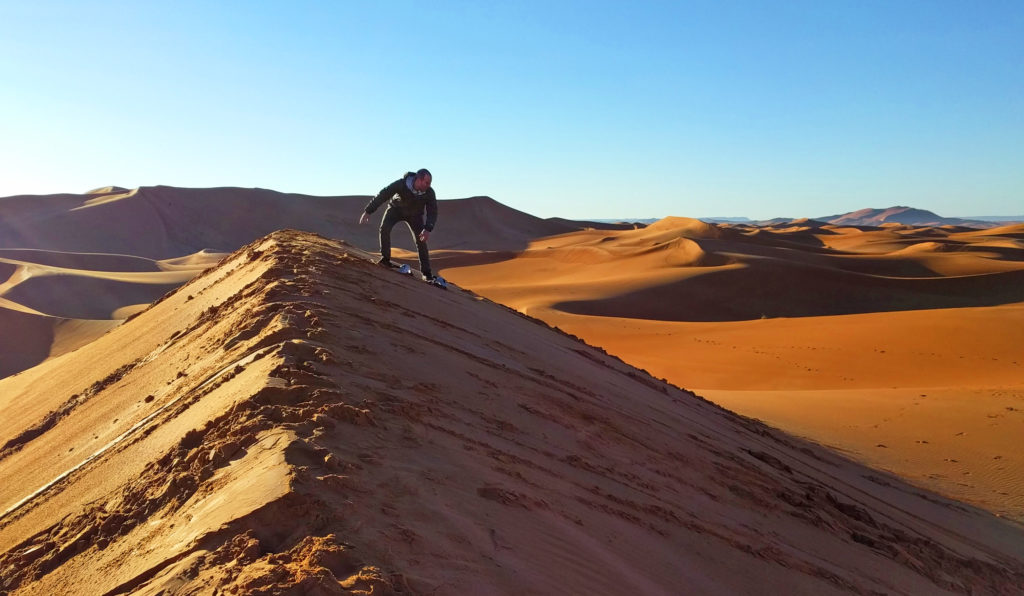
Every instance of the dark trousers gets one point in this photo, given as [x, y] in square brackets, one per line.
[415, 222]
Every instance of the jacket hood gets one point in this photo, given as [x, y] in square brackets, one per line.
[409, 178]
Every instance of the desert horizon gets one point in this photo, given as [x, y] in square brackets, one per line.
[140, 332]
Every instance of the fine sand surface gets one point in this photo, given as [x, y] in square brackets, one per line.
[899, 346]
[299, 420]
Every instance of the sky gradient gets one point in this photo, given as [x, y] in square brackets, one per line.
[569, 109]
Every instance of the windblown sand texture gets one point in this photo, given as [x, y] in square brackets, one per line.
[898, 345]
[299, 420]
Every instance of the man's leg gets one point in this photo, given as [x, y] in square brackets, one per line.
[391, 217]
[416, 226]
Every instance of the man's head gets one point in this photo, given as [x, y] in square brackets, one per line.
[421, 183]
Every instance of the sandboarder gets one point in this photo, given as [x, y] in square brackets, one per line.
[409, 199]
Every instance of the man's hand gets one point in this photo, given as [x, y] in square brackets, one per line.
[365, 217]
[424, 235]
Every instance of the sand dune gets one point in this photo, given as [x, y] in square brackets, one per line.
[298, 419]
[809, 328]
[52, 302]
[53, 290]
[161, 222]
[761, 278]
[108, 253]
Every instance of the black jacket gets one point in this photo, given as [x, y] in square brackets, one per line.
[409, 203]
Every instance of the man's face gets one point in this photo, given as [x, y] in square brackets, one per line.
[421, 183]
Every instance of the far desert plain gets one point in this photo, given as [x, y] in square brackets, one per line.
[891, 343]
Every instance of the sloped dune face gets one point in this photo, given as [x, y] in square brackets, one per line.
[897, 344]
[298, 420]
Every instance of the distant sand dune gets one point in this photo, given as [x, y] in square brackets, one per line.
[53, 293]
[106, 190]
[1009, 231]
[107, 198]
[73, 260]
[200, 260]
[88, 294]
[784, 290]
[892, 320]
[762, 275]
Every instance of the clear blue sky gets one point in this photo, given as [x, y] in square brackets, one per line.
[572, 109]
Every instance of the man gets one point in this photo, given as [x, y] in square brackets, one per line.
[408, 198]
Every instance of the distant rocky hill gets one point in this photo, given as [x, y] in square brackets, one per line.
[866, 217]
[876, 217]
[901, 215]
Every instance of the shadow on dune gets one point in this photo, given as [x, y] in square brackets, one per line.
[802, 240]
[793, 290]
[35, 335]
[99, 297]
[443, 259]
[815, 257]
[6, 270]
[75, 260]
[1003, 253]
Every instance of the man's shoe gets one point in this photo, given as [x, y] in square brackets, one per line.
[384, 262]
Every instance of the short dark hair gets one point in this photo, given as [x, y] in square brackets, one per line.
[423, 172]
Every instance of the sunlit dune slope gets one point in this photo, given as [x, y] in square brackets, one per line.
[686, 270]
[899, 345]
[300, 419]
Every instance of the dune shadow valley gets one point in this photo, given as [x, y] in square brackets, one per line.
[218, 391]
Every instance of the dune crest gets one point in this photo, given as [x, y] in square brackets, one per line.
[107, 198]
[106, 190]
[689, 226]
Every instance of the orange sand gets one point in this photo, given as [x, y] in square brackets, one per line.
[897, 337]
